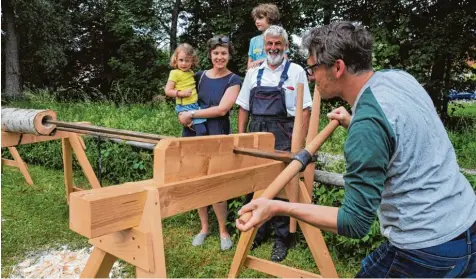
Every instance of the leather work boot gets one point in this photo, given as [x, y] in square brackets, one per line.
[280, 251]
[255, 245]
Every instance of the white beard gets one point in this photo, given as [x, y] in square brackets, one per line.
[275, 60]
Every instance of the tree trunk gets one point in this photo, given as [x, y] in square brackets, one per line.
[328, 7]
[12, 62]
[445, 98]
[173, 26]
[435, 85]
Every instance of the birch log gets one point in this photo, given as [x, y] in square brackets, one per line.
[27, 121]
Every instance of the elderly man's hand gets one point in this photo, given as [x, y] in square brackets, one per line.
[256, 63]
[262, 210]
[185, 118]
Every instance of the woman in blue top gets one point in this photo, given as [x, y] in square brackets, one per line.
[218, 89]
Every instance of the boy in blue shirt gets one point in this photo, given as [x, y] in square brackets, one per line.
[264, 15]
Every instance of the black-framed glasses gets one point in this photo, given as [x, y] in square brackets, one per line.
[310, 69]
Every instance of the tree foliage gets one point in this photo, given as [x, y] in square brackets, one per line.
[119, 49]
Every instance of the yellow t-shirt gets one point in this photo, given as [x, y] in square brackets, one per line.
[184, 80]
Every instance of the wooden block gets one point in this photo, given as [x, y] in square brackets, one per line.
[98, 212]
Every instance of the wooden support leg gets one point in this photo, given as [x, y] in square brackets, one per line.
[242, 251]
[311, 133]
[68, 167]
[99, 264]
[243, 248]
[20, 164]
[296, 145]
[152, 222]
[316, 242]
[83, 161]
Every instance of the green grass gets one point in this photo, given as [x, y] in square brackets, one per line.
[36, 218]
[467, 109]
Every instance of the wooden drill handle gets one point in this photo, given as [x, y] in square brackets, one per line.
[294, 167]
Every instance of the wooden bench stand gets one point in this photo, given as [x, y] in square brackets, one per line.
[124, 221]
[71, 143]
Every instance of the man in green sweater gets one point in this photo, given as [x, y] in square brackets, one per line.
[400, 166]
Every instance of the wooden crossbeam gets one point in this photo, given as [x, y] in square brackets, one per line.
[101, 211]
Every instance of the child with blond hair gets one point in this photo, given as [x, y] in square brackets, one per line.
[264, 16]
[181, 86]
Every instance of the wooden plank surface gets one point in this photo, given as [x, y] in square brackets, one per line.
[186, 158]
[14, 139]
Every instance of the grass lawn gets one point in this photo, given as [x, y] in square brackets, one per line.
[36, 218]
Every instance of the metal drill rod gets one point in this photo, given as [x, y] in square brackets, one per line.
[106, 130]
[107, 135]
[99, 131]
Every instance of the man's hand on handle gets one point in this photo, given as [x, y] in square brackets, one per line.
[342, 115]
[262, 210]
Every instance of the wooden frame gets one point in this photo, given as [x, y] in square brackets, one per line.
[124, 221]
[302, 194]
[71, 143]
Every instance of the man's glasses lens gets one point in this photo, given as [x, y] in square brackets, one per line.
[310, 69]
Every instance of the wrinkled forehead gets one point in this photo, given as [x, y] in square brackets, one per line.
[273, 39]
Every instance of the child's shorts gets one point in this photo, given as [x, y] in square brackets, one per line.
[194, 106]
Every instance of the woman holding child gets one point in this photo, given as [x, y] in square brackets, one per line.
[217, 90]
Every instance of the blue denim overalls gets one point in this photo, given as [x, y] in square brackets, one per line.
[268, 111]
[268, 114]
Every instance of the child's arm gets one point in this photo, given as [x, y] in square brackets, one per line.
[170, 91]
[252, 64]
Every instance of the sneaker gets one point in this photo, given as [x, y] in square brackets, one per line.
[280, 251]
[225, 243]
[199, 239]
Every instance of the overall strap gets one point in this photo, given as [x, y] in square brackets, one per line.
[284, 75]
[260, 74]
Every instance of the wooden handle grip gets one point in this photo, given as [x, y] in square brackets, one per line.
[294, 167]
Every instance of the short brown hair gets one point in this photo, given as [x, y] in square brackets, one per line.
[270, 11]
[189, 51]
[220, 41]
